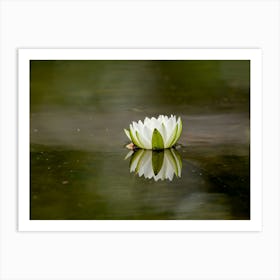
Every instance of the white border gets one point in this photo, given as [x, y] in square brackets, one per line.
[254, 55]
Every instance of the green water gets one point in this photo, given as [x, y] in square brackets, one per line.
[77, 143]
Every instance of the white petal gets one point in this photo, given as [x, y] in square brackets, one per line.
[164, 134]
[135, 125]
[144, 141]
[134, 137]
[143, 135]
[142, 132]
[179, 130]
[147, 121]
[127, 134]
[169, 128]
[147, 132]
[132, 129]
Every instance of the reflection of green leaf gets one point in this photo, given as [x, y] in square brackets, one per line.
[157, 161]
[157, 141]
[178, 158]
[172, 158]
[135, 159]
[139, 163]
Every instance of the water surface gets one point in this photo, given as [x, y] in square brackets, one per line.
[78, 165]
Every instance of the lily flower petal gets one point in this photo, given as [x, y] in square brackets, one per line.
[155, 133]
[127, 133]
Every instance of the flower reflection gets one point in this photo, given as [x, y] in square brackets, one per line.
[155, 164]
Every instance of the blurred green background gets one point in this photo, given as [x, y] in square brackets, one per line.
[77, 115]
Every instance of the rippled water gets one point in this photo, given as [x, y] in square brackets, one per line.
[78, 165]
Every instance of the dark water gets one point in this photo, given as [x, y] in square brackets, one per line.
[78, 165]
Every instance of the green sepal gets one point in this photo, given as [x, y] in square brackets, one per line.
[135, 140]
[179, 131]
[157, 141]
[127, 132]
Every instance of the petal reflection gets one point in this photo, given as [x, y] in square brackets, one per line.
[155, 164]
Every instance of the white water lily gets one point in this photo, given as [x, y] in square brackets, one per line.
[155, 134]
[156, 164]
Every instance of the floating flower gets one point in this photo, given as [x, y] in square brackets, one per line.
[155, 134]
[155, 164]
